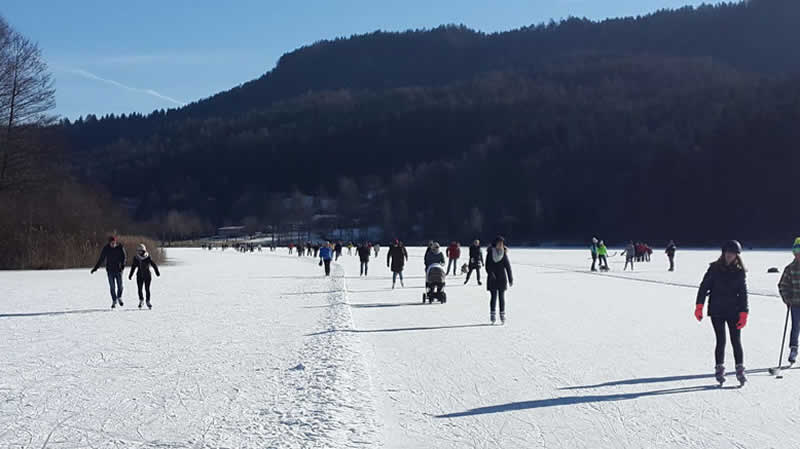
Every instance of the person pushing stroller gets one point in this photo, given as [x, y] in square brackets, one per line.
[434, 275]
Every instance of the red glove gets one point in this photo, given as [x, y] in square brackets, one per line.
[698, 312]
[742, 320]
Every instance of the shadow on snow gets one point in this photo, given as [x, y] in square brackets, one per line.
[575, 400]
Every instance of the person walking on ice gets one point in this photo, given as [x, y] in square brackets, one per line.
[475, 261]
[498, 278]
[670, 251]
[602, 255]
[363, 255]
[725, 282]
[113, 254]
[396, 259]
[630, 254]
[593, 250]
[325, 257]
[453, 254]
[789, 287]
[142, 261]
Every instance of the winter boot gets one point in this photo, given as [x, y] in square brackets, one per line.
[740, 374]
[719, 373]
[119, 300]
[149, 306]
[141, 303]
[492, 318]
[792, 355]
[114, 304]
[502, 318]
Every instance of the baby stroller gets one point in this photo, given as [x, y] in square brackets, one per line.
[434, 284]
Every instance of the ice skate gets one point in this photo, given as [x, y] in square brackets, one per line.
[740, 376]
[719, 373]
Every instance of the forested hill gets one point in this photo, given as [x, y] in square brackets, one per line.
[652, 127]
[757, 36]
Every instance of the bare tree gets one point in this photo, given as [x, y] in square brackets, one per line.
[26, 95]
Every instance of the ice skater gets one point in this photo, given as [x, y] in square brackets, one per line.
[725, 282]
[475, 261]
[670, 251]
[113, 254]
[325, 257]
[396, 259]
[364, 252]
[498, 278]
[453, 254]
[602, 255]
[630, 255]
[593, 250]
[142, 261]
[789, 286]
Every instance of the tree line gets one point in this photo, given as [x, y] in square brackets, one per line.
[648, 128]
[48, 219]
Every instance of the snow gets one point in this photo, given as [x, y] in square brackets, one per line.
[259, 350]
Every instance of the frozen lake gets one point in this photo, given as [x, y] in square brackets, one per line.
[259, 350]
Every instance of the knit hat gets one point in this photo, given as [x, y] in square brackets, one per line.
[796, 246]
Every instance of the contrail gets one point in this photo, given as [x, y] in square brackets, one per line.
[92, 76]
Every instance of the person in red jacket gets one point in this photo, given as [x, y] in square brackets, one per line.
[453, 254]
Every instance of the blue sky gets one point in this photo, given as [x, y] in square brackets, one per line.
[114, 56]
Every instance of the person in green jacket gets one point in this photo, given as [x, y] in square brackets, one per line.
[789, 287]
[602, 254]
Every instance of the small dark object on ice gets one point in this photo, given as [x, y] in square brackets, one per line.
[773, 270]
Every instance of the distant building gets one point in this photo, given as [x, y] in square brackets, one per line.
[232, 231]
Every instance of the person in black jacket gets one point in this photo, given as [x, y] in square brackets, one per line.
[475, 261]
[725, 282]
[143, 262]
[337, 250]
[114, 257]
[499, 277]
[670, 251]
[364, 252]
[396, 259]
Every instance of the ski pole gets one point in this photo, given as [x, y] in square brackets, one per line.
[783, 343]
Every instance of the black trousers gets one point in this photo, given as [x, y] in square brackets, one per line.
[327, 264]
[144, 282]
[364, 267]
[453, 263]
[594, 262]
[671, 263]
[736, 339]
[497, 295]
[603, 262]
[477, 273]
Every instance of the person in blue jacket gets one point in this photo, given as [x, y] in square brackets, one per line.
[325, 257]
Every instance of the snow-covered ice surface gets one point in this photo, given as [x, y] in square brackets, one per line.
[224, 359]
[258, 350]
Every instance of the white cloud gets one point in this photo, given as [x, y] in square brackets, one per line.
[89, 75]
